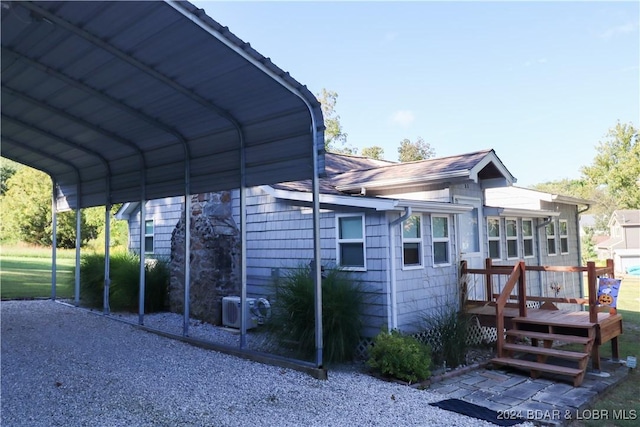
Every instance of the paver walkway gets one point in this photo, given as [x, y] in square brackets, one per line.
[543, 401]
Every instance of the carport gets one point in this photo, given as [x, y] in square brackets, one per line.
[131, 101]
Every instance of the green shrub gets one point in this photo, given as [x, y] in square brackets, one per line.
[124, 289]
[400, 356]
[292, 322]
[447, 335]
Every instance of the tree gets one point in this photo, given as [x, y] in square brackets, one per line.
[616, 167]
[335, 139]
[375, 152]
[411, 151]
[8, 169]
[26, 212]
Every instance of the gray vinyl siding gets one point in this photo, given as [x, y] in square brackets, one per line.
[280, 238]
[165, 214]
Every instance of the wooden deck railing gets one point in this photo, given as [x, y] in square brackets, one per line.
[517, 275]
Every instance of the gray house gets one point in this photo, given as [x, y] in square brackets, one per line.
[623, 245]
[401, 229]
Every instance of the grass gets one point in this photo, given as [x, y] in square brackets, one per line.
[625, 397]
[25, 272]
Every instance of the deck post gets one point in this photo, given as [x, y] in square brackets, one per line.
[610, 268]
[488, 264]
[522, 290]
[591, 283]
[463, 284]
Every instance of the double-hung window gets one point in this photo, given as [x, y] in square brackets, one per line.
[441, 243]
[493, 234]
[527, 237]
[511, 226]
[148, 236]
[564, 236]
[551, 238]
[412, 241]
[351, 247]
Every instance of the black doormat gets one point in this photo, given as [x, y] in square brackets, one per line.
[476, 411]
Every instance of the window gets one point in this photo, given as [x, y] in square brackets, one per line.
[412, 242]
[527, 237]
[551, 238]
[511, 226]
[148, 236]
[564, 236]
[351, 241]
[440, 233]
[493, 233]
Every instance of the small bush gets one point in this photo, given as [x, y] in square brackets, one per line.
[400, 356]
[447, 336]
[124, 289]
[293, 314]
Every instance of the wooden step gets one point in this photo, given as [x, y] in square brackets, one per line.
[552, 337]
[536, 366]
[561, 354]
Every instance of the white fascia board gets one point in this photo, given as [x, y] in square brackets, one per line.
[435, 207]
[491, 158]
[403, 182]
[126, 210]
[379, 204]
[520, 213]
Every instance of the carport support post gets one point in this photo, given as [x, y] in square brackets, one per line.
[54, 239]
[78, 244]
[143, 215]
[317, 273]
[187, 262]
[107, 260]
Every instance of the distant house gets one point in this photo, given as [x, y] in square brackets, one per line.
[401, 229]
[623, 245]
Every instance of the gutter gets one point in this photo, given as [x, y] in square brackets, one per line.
[392, 304]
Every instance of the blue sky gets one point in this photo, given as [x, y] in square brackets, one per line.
[539, 82]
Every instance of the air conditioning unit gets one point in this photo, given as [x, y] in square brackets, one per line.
[231, 314]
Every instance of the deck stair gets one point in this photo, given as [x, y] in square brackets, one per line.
[528, 355]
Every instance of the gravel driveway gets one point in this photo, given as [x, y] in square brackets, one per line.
[63, 366]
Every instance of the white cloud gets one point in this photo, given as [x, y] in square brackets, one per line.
[403, 118]
[618, 30]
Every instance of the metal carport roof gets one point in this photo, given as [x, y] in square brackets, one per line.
[110, 98]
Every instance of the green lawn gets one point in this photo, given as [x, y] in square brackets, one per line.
[25, 272]
[625, 397]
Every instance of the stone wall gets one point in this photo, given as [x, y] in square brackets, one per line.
[215, 257]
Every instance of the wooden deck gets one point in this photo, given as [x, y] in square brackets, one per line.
[524, 328]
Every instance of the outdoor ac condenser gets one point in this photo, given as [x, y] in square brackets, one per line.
[231, 312]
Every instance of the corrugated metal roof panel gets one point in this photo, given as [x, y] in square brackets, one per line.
[105, 88]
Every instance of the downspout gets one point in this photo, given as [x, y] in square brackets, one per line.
[392, 311]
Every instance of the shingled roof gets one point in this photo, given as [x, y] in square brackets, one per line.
[350, 174]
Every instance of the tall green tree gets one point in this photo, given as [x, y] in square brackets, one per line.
[418, 150]
[616, 167]
[7, 169]
[375, 152]
[26, 212]
[335, 139]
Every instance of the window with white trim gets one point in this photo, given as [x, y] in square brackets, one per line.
[493, 236]
[550, 230]
[563, 226]
[350, 241]
[511, 232]
[148, 236]
[412, 241]
[440, 237]
[527, 237]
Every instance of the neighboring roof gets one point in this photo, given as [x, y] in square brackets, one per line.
[610, 243]
[349, 174]
[626, 218]
[124, 101]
